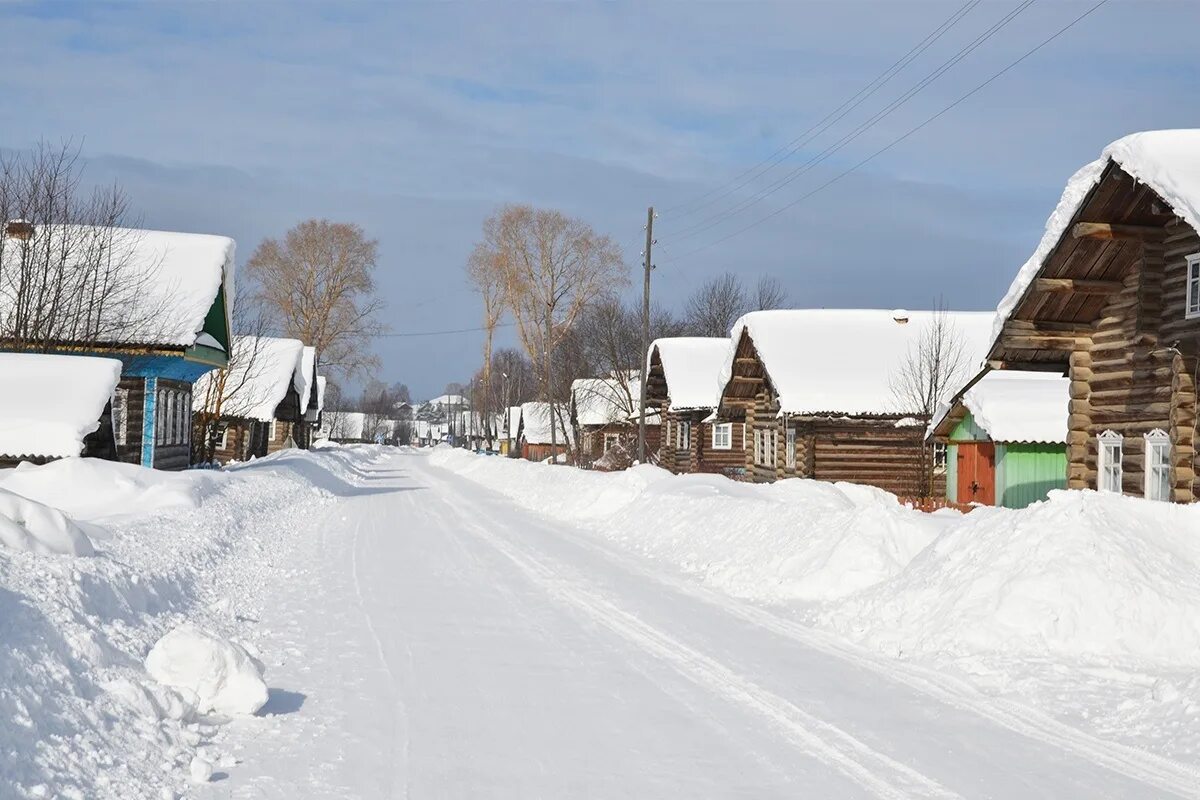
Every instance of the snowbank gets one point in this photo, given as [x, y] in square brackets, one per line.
[35, 528]
[1082, 575]
[212, 673]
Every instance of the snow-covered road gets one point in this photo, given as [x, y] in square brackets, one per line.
[439, 642]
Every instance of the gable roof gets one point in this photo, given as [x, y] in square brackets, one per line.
[535, 424]
[602, 401]
[692, 369]
[54, 402]
[844, 361]
[305, 377]
[1012, 406]
[1167, 161]
[179, 278]
[262, 371]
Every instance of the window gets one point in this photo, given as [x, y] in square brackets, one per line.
[271, 432]
[722, 436]
[772, 451]
[790, 441]
[939, 456]
[1193, 285]
[1158, 466]
[160, 416]
[764, 447]
[1110, 456]
[611, 440]
[683, 436]
[187, 418]
[120, 416]
[757, 447]
[223, 444]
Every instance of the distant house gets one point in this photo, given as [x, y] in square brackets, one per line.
[1111, 297]
[56, 406]
[816, 390]
[171, 326]
[1005, 438]
[684, 386]
[264, 397]
[511, 423]
[346, 427]
[534, 435]
[604, 413]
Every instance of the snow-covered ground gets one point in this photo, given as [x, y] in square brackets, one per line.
[449, 626]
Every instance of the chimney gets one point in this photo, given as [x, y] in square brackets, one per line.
[900, 315]
[19, 229]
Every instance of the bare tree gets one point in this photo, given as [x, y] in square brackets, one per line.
[769, 294]
[716, 305]
[935, 366]
[555, 267]
[319, 282]
[72, 267]
[487, 272]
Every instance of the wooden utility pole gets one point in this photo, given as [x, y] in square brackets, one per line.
[648, 265]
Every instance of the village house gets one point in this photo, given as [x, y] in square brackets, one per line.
[683, 384]
[604, 413]
[819, 393]
[1002, 438]
[346, 427]
[508, 436]
[533, 436]
[63, 408]
[170, 326]
[260, 402]
[1111, 298]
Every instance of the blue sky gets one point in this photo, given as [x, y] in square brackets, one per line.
[416, 119]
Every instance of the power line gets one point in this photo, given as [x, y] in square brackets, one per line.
[901, 138]
[408, 334]
[863, 127]
[849, 105]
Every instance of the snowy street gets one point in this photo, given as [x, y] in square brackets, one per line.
[440, 642]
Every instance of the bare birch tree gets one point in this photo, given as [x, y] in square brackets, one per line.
[71, 269]
[769, 294]
[555, 267]
[487, 273]
[319, 282]
[935, 366]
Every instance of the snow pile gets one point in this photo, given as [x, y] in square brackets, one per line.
[35, 528]
[692, 368]
[212, 673]
[59, 402]
[93, 489]
[1081, 575]
[855, 373]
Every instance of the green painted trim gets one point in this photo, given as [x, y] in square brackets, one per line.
[952, 472]
[968, 431]
[216, 322]
[1026, 473]
[209, 356]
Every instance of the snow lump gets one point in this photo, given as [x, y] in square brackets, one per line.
[217, 675]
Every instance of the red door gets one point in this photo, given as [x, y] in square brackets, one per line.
[977, 473]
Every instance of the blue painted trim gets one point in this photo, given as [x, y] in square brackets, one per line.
[149, 408]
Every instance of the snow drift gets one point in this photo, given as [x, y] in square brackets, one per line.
[212, 673]
[35, 528]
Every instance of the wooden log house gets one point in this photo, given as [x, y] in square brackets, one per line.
[815, 390]
[684, 387]
[56, 406]
[604, 413]
[1111, 298]
[1003, 438]
[171, 326]
[533, 436]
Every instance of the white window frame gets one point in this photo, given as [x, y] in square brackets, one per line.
[790, 444]
[757, 446]
[773, 450]
[224, 443]
[611, 440]
[722, 436]
[1157, 440]
[1192, 298]
[1105, 445]
[683, 436]
[939, 456]
[271, 431]
[120, 417]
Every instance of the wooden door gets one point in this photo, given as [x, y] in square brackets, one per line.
[977, 473]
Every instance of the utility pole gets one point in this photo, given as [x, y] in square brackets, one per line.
[648, 265]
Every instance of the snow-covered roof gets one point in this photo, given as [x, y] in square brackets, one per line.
[345, 424]
[52, 402]
[601, 401]
[320, 393]
[177, 278]
[845, 361]
[1166, 161]
[692, 367]
[535, 421]
[447, 400]
[1016, 406]
[514, 421]
[306, 370]
[260, 373]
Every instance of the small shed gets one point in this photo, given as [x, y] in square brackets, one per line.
[56, 406]
[534, 435]
[1005, 438]
[604, 412]
[683, 383]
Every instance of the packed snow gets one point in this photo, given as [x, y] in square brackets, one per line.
[692, 368]
[1167, 161]
[851, 357]
[60, 402]
[1016, 406]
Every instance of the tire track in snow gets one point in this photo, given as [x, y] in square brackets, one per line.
[876, 772]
